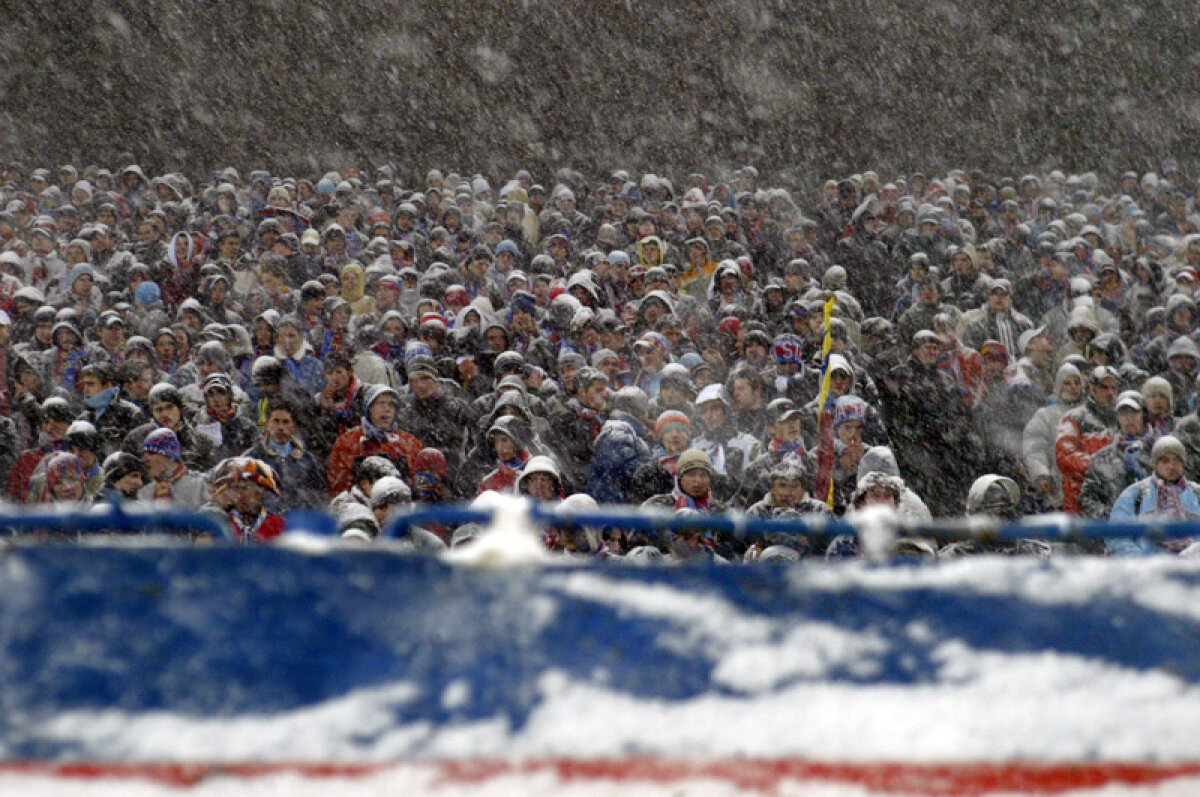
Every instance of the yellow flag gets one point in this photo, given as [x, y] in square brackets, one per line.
[825, 452]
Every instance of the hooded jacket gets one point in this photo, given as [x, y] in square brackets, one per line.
[1038, 439]
[363, 441]
[1082, 432]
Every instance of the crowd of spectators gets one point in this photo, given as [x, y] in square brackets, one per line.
[364, 341]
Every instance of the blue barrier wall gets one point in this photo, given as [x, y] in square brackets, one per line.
[227, 632]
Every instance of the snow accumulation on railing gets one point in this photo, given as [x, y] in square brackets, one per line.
[657, 525]
[876, 531]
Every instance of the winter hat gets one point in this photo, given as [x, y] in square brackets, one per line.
[147, 292]
[714, 392]
[163, 441]
[849, 408]
[1167, 444]
[692, 459]
[56, 408]
[878, 459]
[670, 418]
[1157, 386]
[789, 349]
[389, 491]
[119, 465]
[357, 522]
[1131, 399]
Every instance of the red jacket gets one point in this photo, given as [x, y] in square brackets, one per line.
[18, 481]
[1082, 432]
[353, 444]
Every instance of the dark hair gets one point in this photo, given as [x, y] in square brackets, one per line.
[277, 404]
[102, 371]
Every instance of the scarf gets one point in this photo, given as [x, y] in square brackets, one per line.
[782, 449]
[163, 485]
[333, 340]
[283, 449]
[517, 463]
[373, 432]
[1170, 502]
[427, 487]
[102, 400]
[221, 416]
[341, 407]
[1131, 446]
[246, 528]
[685, 501]
[67, 366]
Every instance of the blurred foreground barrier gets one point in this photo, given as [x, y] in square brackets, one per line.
[658, 525]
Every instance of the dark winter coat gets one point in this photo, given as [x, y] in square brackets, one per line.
[1107, 475]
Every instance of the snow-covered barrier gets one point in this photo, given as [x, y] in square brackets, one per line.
[162, 653]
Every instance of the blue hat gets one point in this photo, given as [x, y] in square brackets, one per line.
[163, 441]
[617, 256]
[147, 292]
[507, 246]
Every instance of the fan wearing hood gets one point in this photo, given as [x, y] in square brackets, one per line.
[509, 441]
[1037, 440]
[353, 284]
[377, 435]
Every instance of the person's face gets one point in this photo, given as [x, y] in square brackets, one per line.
[338, 378]
[675, 439]
[140, 387]
[383, 411]
[785, 492]
[1158, 405]
[43, 330]
[68, 488]
[1130, 421]
[743, 394]
[695, 482]
[130, 482]
[112, 336]
[504, 447]
[156, 464]
[712, 415]
[288, 340]
[218, 399]
[496, 340]
[166, 413]
[230, 247]
[999, 302]
[839, 383]
[788, 430]
[281, 426]
[164, 348]
[1104, 392]
[1184, 365]
[54, 429]
[1041, 352]
[850, 433]
[247, 497]
[540, 486]
[423, 385]
[927, 353]
[90, 385]
[1169, 468]
[595, 395]
[879, 495]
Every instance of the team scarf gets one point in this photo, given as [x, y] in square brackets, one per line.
[163, 487]
[221, 416]
[245, 529]
[781, 448]
[685, 501]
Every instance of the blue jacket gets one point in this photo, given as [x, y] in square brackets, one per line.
[619, 450]
[1140, 500]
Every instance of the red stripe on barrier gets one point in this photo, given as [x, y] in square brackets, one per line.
[762, 775]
